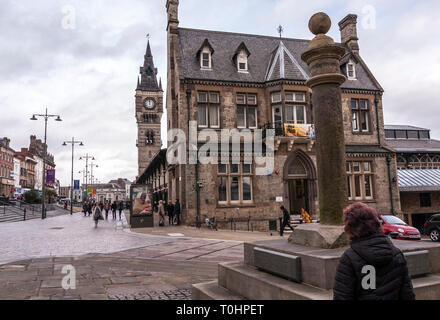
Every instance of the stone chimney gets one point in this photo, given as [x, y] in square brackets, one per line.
[173, 14]
[348, 29]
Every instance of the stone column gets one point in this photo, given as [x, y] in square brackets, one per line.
[323, 58]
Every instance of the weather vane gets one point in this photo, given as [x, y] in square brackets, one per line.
[148, 36]
[280, 30]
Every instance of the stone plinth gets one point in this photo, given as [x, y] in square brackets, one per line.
[319, 236]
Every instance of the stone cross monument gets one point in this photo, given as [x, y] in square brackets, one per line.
[323, 58]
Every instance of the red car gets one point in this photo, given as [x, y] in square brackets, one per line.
[393, 224]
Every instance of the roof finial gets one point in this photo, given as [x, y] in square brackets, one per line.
[280, 30]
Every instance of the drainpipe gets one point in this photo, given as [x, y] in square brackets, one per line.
[376, 103]
[188, 99]
[390, 184]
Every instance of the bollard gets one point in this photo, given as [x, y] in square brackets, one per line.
[24, 215]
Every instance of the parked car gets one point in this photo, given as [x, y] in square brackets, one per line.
[392, 224]
[432, 227]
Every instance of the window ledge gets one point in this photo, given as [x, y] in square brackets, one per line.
[238, 205]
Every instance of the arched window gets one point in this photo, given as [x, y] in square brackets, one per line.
[149, 137]
[425, 162]
[414, 162]
[436, 162]
[401, 162]
[297, 168]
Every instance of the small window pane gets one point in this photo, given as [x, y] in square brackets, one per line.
[214, 97]
[354, 104]
[241, 99]
[202, 115]
[234, 168]
[221, 168]
[389, 134]
[205, 60]
[241, 118]
[355, 121]
[203, 97]
[247, 194]
[413, 135]
[300, 118]
[367, 167]
[290, 118]
[364, 121]
[246, 168]
[400, 134]
[289, 96]
[276, 97]
[252, 99]
[424, 134]
[367, 186]
[252, 117]
[356, 167]
[222, 191]
[242, 66]
[234, 189]
[357, 185]
[349, 187]
[300, 97]
[364, 104]
[213, 116]
[348, 166]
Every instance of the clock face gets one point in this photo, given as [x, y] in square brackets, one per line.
[149, 103]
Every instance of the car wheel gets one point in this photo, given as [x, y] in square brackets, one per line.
[434, 235]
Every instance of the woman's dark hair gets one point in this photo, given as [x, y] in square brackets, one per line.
[361, 221]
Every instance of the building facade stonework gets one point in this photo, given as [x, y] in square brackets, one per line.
[225, 80]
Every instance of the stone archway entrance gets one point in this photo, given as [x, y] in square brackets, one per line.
[299, 177]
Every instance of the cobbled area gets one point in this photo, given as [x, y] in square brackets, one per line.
[184, 294]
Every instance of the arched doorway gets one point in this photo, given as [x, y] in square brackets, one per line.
[299, 177]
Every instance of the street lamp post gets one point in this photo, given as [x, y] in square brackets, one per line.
[73, 142]
[46, 117]
[87, 157]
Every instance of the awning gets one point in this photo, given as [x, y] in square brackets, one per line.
[419, 180]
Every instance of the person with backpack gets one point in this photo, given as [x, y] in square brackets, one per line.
[97, 215]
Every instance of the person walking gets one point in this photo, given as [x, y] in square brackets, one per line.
[371, 250]
[286, 220]
[120, 207]
[106, 208]
[170, 210]
[85, 208]
[177, 211]
[114, 207]
[89, 208]
[101, 206]
[161, 211]
[97, 214]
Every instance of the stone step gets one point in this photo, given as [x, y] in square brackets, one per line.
[428, 287]
[212, 291]
[253, 284]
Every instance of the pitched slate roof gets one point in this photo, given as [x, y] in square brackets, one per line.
[419, 180]
[262, 50]
[411, 146]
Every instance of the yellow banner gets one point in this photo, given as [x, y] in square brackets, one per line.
[299, 130]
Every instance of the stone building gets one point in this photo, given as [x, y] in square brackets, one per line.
[27, 169]
[418, 162]
[149, 110]
[36, 148]
[226, 80]
[6, 168]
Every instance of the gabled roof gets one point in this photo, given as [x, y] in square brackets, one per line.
[262, 49]
[241, 47]
[283, 65]
[204, 45]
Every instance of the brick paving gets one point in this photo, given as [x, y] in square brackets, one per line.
[109, 263]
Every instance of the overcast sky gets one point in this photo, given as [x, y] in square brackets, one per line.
[80, 59]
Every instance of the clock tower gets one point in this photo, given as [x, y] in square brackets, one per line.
[149, 110]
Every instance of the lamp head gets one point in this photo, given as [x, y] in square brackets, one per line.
[81, 144]
[33, 118]
[58, 119]
[64, 144]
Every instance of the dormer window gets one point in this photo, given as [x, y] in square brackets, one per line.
[205, 59]
[241, 57]
[242, 61]
[204, 55]
[351, 70]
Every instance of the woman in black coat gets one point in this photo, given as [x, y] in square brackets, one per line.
[372, 268]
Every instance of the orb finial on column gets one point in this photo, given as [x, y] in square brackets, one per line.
[320, 23]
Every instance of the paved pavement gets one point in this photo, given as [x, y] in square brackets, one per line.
[110, 263]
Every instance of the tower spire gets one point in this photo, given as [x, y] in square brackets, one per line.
[148, 72]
